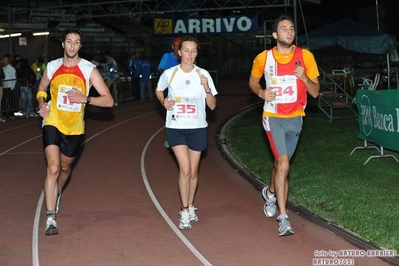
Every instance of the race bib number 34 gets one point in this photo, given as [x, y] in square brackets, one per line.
[285, 88]
[63, 102]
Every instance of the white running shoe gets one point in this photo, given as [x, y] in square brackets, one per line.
[193, 215]
[51, 226]
[284, 226]
[184, 219]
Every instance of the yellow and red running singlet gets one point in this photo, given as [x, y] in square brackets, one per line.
[68, 117]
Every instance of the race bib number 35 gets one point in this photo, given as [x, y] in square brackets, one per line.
[185, 108]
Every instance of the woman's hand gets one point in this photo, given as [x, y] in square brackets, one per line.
[168, 103]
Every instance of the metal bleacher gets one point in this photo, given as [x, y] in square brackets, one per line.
[334, 101]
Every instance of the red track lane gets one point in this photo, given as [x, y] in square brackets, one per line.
[108, 216]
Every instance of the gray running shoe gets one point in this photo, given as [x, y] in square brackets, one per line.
[193, 215]
[185, 222]
[269, 208]
[284, 226]
[51, 226]
[57, 206]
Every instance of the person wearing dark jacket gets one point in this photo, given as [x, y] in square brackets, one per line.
[26, 78]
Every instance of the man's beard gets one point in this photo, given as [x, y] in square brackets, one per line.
[285, 44]
[71, 55]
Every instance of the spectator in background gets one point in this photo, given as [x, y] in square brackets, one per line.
[112, 76]
[145, 80]
[134, 68]
[11, 97]
[1, 91]
[95, 61]
[17, 61]
[170, 59]
[26, 78]
[38, 67]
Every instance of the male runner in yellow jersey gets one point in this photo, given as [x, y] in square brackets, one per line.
[70, 79]
[290, 73]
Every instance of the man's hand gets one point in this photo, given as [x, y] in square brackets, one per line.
[76, 96]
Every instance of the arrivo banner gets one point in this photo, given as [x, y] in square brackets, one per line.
[222, 25]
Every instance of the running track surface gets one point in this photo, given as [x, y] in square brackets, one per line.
[121, 205]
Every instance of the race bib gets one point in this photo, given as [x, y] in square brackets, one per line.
[63, 102]
[185, 109]
[285, 88]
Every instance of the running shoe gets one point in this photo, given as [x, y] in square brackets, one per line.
[57, 207]
[284, 226]
[19, 113]
[166, 144]
[193, 215]
[2, 120]
[269, 208]
[51, 226]
[184, 219]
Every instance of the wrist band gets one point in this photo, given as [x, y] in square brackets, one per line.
[41, 94]
[208, 92]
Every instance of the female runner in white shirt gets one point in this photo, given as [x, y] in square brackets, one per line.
[191, 89]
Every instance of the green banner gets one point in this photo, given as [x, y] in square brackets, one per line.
[379, 117]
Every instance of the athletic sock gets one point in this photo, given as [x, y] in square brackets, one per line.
[270, 196]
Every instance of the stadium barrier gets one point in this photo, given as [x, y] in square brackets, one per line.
[17, 99]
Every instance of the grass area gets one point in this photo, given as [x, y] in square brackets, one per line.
[325, 178]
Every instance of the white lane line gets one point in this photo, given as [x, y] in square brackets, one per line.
[35, 238]
[161, 210]
[35, 246]
[20, 144]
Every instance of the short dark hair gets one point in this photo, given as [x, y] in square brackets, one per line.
[281, 18]
[24, 61]
[73, 30]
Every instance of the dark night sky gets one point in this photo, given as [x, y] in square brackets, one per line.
[364, 11]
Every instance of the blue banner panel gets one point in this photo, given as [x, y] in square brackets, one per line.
[223, 25]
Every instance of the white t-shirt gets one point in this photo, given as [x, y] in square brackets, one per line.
[189, 110]
[10, 74]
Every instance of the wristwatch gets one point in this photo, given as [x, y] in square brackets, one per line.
[88, 99]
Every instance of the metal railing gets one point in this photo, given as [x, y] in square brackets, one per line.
[16, 99]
